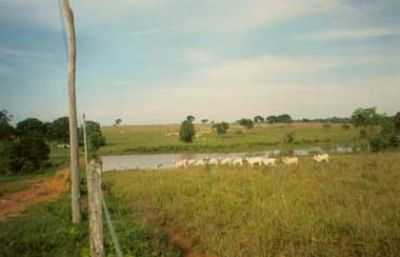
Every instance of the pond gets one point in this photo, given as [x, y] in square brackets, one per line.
[164, 161]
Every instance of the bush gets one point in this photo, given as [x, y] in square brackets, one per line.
[23, 156]
[289, 137]
[221, 128]
[346, 126]
[187, 131]
[378, 144]
[327, 126]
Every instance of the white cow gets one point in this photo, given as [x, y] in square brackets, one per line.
[181, 163]
[252, 161]
[269, 161]
[237, 162]
[191, 162]
[321, 158]
[213, 161]
[200, 163]
[290, 160]
[226, 161]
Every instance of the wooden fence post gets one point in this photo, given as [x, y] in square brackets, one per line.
[69, 26]
[95, 209]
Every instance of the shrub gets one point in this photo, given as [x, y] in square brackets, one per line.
[327, 126]
[346, 126]
[221, 127]
[289, 137]
[26, 155]
[378, 144]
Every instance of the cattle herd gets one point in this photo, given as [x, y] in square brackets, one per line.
[250, 161]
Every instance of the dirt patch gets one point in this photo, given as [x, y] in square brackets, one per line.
[175, 235]
[43, 190]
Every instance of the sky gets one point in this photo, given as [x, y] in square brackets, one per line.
[156, 61]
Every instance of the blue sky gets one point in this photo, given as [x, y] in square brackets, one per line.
[155, 61]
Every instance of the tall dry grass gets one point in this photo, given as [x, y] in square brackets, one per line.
[349, 207]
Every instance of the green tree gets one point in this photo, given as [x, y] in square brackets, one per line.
[204, 121]
[31, 127]
[284, 118]
[258, 119]
[187, 131]
[94, 136]
[190, 118]
[396, 120]
[247, 123]
[117, 122]
[221, 127]
[59, 130]
[6, 130]
[272, 119]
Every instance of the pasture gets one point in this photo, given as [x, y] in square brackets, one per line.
[347, 207]
[164, 138]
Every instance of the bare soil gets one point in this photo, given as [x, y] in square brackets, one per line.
[43, 190]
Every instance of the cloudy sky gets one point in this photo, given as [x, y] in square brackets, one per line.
[155, 61]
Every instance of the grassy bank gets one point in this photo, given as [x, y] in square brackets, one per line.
[348, 207]
[164, 138]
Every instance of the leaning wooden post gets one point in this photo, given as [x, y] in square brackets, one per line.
[95, 211]
[73, 128]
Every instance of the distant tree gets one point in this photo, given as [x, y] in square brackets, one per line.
[187, 131]
[117, 122]
[190, 118]
[397, 122]
[272, 119]
[221, 127]
[95, 137]
[204, 121]
[365, 117]
[258, 119]
[6, 130]
[31, 127]
[247, 123]
[59, 130]
[284, 118]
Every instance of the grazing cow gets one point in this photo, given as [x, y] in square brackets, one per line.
[237, 162]
[269, 161]
[181, 163]
[226, 161]
[200, 163]
[213, 161]
[191, 162]
[290, 160]
[252, 161]
[321, 158]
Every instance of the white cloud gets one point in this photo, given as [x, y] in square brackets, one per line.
[352, 34]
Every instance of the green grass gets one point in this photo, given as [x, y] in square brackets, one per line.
[161, 138]
[46, 231]
[346, 208]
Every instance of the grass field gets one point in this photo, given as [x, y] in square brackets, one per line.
[348, 207]
[164, 138]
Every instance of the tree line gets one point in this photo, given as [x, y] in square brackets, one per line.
[24, 148]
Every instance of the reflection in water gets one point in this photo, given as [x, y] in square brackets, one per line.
[156, 161]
